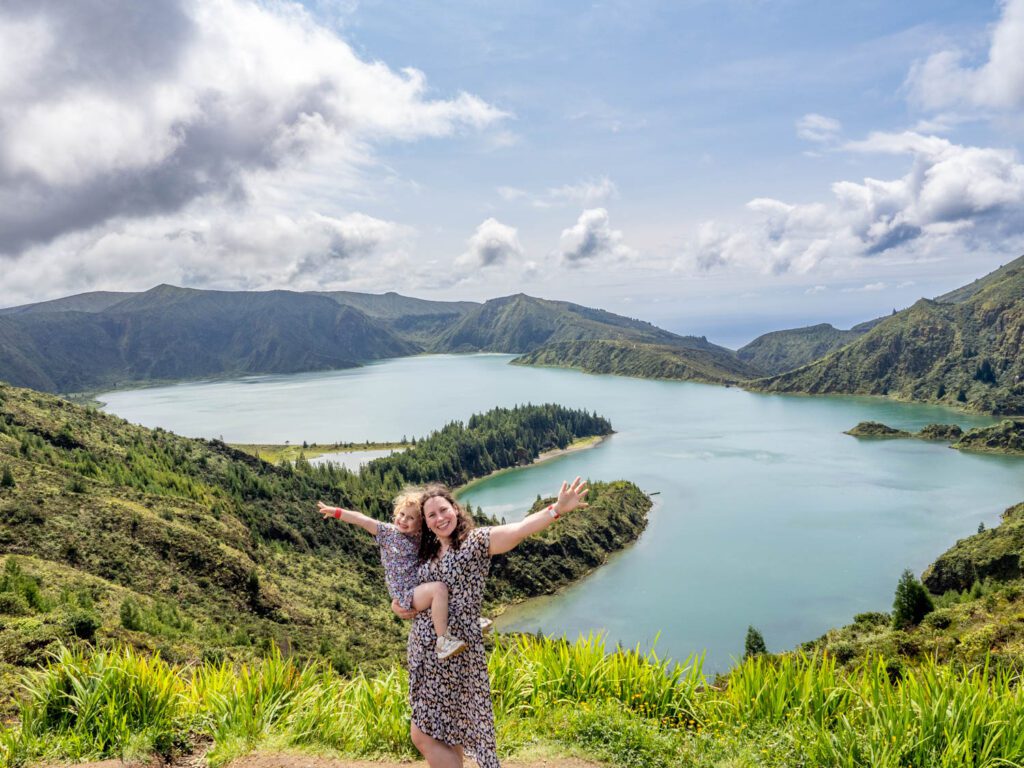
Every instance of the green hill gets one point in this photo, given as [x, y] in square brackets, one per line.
[521, 323]
[115, 533]
[415, 320]
[965, 353]
[170, 333]
[781, 351]
[92, 341]
[94, 301]
[649, 361]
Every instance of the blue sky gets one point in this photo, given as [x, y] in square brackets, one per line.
[720, 168]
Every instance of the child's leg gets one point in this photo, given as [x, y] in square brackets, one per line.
[433, 595]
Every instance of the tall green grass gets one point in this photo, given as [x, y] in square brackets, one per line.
[624, 706]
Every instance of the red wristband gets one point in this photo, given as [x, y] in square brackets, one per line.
[553, 511]
[337, 513]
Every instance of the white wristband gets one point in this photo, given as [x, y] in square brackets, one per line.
[553, 512]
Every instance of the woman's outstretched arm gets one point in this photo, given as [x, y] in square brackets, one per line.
[507, 537]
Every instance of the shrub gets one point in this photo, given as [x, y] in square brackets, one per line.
[842, 650]
[131, 616]
[13, 604]
[938, 619]
[912, 602]
[7, 478]
[82, 624]
[754, 644]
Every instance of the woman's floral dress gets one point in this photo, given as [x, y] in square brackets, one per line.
[451, 699]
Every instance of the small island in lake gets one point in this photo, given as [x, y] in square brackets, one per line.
[1005, 437]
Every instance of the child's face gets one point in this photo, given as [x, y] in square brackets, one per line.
[407, 519]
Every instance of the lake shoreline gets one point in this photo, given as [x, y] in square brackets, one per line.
[576, 446]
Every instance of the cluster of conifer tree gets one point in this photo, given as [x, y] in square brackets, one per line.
[276, 501]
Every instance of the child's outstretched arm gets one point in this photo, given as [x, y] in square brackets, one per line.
[349, 516]
[507, 537]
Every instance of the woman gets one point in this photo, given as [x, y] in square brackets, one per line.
[451, 700]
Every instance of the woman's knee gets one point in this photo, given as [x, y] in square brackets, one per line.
[420, 740]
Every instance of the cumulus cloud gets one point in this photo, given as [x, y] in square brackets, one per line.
[492, 244]
[818, 128]
[220, 250]
[948, 78]
[114, 109]
[592, 239]
[951, 193]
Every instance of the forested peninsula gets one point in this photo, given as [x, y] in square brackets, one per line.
[114, 533]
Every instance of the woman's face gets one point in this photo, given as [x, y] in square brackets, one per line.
[440, 516]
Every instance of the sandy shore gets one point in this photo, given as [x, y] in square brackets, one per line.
[579, 445]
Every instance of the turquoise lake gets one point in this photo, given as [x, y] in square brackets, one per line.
[765, 514]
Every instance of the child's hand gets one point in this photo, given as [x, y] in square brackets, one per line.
[327, 511]
[571, 496]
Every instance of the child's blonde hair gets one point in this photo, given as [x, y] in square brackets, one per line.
[410, 496]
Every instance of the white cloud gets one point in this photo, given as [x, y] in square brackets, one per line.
[947, 78]
[818, 128]
[198, 99]
[592, 239]
[588, 192]
[584, 193]
[254, 250]
[952, 194]
[867, 288]
[815, 289]
[492, 244]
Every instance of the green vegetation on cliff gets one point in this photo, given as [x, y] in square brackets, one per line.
[963, 349]
[996, 554]
[110, 532]
[649, 361]
[781, 351]
[521, 323]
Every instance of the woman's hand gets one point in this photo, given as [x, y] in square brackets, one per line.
[570, 496]
[400, 612]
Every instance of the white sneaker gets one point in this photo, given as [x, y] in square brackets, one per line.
[448, 646]
[486, 625]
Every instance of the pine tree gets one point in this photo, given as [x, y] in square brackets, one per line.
[912, 602]
[754, 644]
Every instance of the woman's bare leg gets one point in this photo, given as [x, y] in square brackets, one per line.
[433, 595]
[436, 753]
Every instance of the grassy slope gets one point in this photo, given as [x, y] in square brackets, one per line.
[781, 351]
[964, 354]
[649, 361]
[102, 513]
[520, 324]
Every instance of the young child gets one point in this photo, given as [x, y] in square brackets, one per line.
[399, 545]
